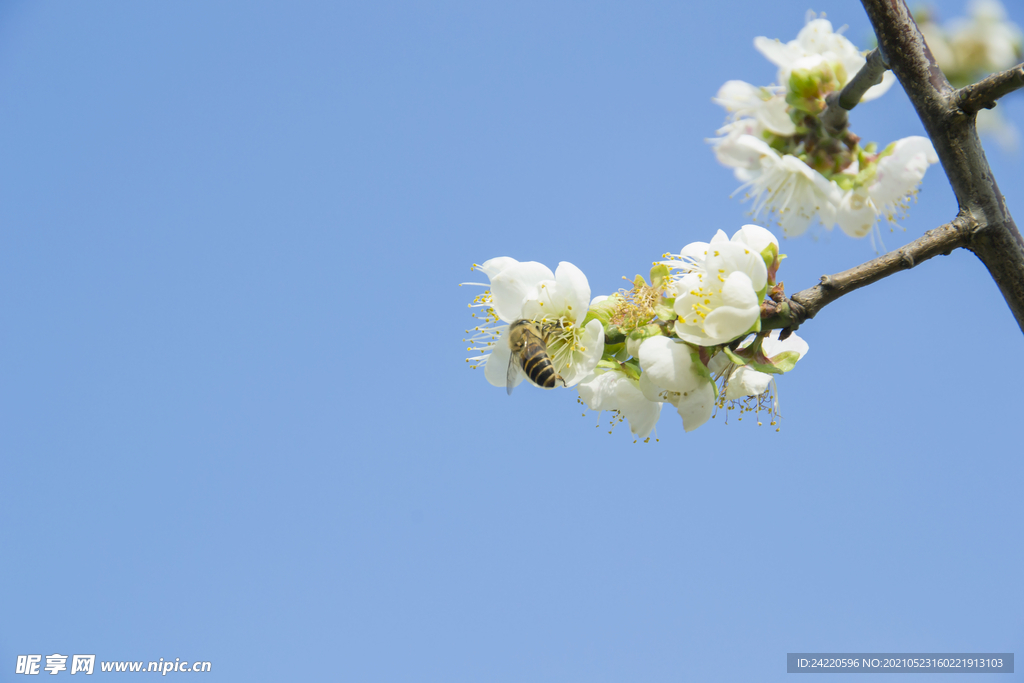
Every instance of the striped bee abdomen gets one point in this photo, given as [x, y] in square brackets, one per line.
[538, 366]
[528, 351]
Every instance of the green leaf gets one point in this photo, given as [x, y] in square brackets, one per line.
[603, 310]
[769, 254]
[731, 355]
[665, 309]
[646, 332]
[611, 349]
[699, 367]
[632, 369]
[659, 274]
[786, 360]
[613, 334]
[761, 367]
[845, 181]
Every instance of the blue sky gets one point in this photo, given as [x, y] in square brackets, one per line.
[236, 421]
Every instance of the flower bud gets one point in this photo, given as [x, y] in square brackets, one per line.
[639, 335]
[811, 79]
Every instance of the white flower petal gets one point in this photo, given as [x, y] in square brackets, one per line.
[745, 102]
[718, 364]
[695, 252]
[720, 237]
[739, 292]
[511, 285]
[795, 224]
[494, 266]
[756, 237]
[651, 391]
[496, 367]
[777, 52]
[598, 390]
[574, 289]
[856, 216]
[901, 172]
[817, 39]
[738, 96]
[668, 364]
[771, 346]
[745, 381]
[696, 406]
[734, 257]
[614, 391]
[726, 323]
[584, 361]
[731, 154]
[642, 414]
[774, 116]
[791, 189]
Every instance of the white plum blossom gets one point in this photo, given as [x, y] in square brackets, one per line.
[742, 381]
[609, 389]
[789, 189]
[766, 106]
[673, 373]
[689, 337]
[798, 170]
[691, 258]
[986, 42]
[817, 38]
[720, 299]
[897, 177]
[529, 290]
[968, 49]
[756, 237]
[738, 157]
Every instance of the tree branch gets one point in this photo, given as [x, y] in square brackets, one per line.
[983, 95]
[807, 303]
[993, 236]
[834, 117]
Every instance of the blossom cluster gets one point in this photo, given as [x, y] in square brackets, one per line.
[792, 166]
[969, 48]
[690, 336]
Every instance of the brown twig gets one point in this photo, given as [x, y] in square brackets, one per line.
[806, 304]
[837, 104]
[983, 95]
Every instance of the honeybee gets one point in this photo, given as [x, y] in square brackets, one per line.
[528, 341]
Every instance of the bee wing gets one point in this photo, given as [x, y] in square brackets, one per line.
[512, 377]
